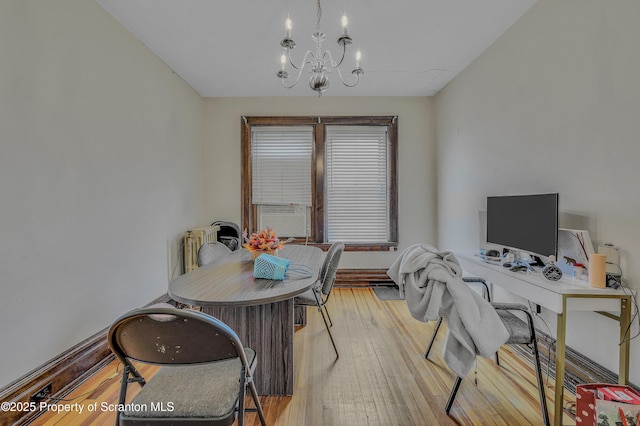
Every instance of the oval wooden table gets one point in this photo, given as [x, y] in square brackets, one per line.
[260, 311]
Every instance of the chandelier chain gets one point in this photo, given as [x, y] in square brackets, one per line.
[319, 14]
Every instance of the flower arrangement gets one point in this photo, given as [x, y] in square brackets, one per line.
[261, 242]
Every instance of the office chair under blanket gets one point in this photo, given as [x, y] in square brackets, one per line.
[205, 368]
[520, 332]
[485, 293]
[319, 294]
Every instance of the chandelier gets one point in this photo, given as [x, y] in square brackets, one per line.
[320, 62]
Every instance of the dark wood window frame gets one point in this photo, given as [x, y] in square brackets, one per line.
[249, 211]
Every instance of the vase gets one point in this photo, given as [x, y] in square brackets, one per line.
[256, 253]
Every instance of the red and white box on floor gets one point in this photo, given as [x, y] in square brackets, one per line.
[607, 404]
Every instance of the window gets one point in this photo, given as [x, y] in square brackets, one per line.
[281, 161]
[322, 180]
[356, 182]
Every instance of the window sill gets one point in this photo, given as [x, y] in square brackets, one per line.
[354, 246]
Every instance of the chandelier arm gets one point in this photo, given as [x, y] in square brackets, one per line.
[344, 82]
[328, 61]
[304, 60]
[291, 60]
[332, 63]
[300, 69]
[344, 51]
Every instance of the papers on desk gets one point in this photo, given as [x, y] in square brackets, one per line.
[488, 258]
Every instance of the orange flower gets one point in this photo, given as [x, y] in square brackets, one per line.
[264, 240]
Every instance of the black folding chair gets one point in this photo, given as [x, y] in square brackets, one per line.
[205, 369]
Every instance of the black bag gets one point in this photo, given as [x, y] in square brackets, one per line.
[229, 234]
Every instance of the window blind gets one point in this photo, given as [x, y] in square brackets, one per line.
[281, 164]
[357, 184]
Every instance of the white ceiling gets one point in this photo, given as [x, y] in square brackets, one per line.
[232, 47]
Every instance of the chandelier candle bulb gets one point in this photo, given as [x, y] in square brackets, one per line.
[358, 56]
[283, 61]
[288, 26]
[345, 22]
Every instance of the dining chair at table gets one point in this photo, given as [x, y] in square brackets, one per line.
[210, 252]
[204, 375]
[319, 294]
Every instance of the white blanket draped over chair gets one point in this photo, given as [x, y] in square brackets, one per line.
[431, 281]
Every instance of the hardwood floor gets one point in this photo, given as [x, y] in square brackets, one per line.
[381, 377]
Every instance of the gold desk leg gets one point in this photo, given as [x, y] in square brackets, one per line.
[560, 353]
[625, 319]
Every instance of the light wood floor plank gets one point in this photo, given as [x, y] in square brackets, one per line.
[381, 377]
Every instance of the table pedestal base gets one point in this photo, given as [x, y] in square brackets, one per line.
[268, 330]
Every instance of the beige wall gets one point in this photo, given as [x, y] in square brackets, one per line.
[100, 172]
[552, 106]
[416, 175]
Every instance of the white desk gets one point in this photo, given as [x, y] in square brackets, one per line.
[559, 297]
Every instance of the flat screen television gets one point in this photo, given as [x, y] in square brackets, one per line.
[527, 223]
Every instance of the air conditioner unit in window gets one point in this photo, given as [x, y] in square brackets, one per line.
[286, 221]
